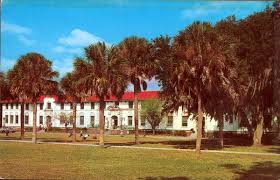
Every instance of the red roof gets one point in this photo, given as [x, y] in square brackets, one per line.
[128, 96]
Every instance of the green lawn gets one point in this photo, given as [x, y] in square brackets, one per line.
[155, 141]
[26, 160]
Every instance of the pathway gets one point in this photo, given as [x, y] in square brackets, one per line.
[148, 148]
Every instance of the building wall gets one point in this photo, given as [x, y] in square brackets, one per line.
[122, 117]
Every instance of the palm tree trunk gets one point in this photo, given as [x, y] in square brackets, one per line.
[136, 114]
[34, 134]
[101, 122]
[278, 120]
[221, 132]
[199, 124]
[1, 115]
[257, 140]
[74, 138]
[22, 121]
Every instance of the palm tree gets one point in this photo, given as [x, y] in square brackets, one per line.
[135, 52]
[102, 74]
[196, 73]
[70, 89]
[31, 77]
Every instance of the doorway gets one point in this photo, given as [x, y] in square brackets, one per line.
[114, 122]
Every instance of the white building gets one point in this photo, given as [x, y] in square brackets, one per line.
[117, 114]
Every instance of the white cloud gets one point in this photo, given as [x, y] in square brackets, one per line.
[21, 32]
[61, 49]
[79, 37]
[14, 28]
[26, 40]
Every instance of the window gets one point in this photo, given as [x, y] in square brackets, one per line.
[82, 105]
[170, 121]
[71, 105]
[41, 106]
[143, 121]
[49, 105]
[12, 106]
[41, 120]
[26, 119]
[16, 119]
[16, 106]
[82, 120]
[230, 120]
[7, 106]
[130, 104]
[92, 120]
[62, 106]
[117, 103]
[11, 119]
[6, 119]
[184, 120]
[26, 106]
[92, 104]
[130, 120]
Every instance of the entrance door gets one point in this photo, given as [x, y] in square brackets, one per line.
[114, 122]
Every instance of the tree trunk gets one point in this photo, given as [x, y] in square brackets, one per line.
[74, 138]
[257, 140]
[278, 120]
[34, 134]
[1, 115]
[221, 132]
[199, 124]
[101, 122]
[154, 131]
[22, 121]
[136, 114]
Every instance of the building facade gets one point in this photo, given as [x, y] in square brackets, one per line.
[118, 114]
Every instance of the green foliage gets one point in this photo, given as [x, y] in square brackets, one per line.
[151, 111]
[65, 117]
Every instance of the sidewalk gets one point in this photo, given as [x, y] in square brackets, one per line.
[148, 148]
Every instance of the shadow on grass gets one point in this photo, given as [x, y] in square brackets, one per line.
[164, 178]
[260, 170]
[207, 144]
[274, 150]
[210, 144]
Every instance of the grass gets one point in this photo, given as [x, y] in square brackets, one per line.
[234, 144]
[45, 161]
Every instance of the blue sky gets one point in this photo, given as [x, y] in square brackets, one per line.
[59, 29]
